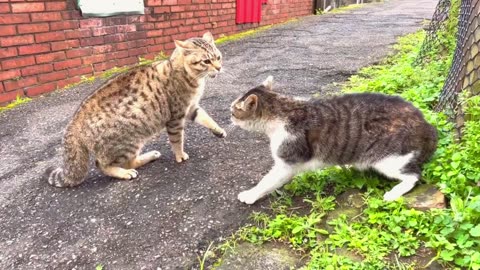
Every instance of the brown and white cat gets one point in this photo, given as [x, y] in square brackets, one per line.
[381, 132]
[116, 121]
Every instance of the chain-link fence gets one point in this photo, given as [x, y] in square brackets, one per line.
[464, 76]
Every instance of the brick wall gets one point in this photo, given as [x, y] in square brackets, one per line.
[47, 44]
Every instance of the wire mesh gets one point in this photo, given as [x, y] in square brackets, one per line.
[464, 74]
[437, 24]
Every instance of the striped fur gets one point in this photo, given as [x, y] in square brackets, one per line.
[375, 131]
[122, 115]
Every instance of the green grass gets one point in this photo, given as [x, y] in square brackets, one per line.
[385, 233]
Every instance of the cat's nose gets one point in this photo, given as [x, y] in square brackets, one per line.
[218, 68]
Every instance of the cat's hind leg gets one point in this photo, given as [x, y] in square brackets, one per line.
[114, 161]
[400, 167]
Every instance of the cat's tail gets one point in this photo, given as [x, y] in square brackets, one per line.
[75, 165]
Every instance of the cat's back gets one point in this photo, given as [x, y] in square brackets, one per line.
[134, 96]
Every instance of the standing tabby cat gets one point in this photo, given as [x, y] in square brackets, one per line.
[116, 121]
[384, 133]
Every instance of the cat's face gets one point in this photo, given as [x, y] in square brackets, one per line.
[200, 56]
[246, 110]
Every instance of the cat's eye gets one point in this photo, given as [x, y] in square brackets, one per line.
[208, 62]
[218, 57]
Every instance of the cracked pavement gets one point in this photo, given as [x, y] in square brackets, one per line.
[172, 211]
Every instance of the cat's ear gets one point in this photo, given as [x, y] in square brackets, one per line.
[208, 37]
[250, 103]
[268, 83]
[184, 44]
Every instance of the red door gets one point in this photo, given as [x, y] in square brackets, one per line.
[249, 11]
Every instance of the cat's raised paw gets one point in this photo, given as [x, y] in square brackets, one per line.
[390, 196]
[248, 197]
[220, 133]
[181, 157]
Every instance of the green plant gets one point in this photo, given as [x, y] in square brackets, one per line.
[18, 101]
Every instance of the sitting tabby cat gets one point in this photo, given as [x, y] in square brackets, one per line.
[384, 133]
[116, 121]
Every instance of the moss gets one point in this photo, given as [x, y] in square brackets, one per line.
[248, 33]
[18, 101]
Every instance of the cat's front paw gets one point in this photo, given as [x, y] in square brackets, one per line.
[219, 132]
[390, 196]
[248, 196]
[181, 157]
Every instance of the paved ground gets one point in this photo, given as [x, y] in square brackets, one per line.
[162, 219]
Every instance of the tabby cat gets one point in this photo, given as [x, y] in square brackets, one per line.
[116, 121]
[367, 131]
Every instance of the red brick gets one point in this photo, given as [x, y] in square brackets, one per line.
[64, 25]
[161, 25]
[67, 63]
[79, 52]
[144, 42]
[16, 40]
[179, 8]
[126, 28]
[80, 71]
[177, 23]
[27, 7]
[154, 33]
[40, 89]
[53, 76]
[50, 36]
[104, 65]
[95, 22]
[116, 55]
[62, 83]
[202, 27]
[51, 6]
[8, 52]
[18, 62]
[50, 57]
[125, 45]
[10, 96]
[135, 19]
[16, 84]
[155, 48]
[136, 35]
[9, 74]
[109, 21]
[170, 31]
[37, 69]
[93, 59]
[169, 2]
[33, 28]
[2, 89]
[46, 16]
[204, 20]
[102, 31]
[79, 33]
[7, 30]
[14, 18]
[71, 15]
[145, 26]
[92, 41]
[64, 45]
[200, 13]
[127, 61]
[115, 38]
[158, 10]
[184, 29]
[103, 48]
[153, 3]
[137, 51]
[4, 8]
[33, 49]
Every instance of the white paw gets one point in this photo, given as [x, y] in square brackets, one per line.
[131, 174]
[390, 196]
[220, 133]
[156, 154]
[182, 157]
[248, 197]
